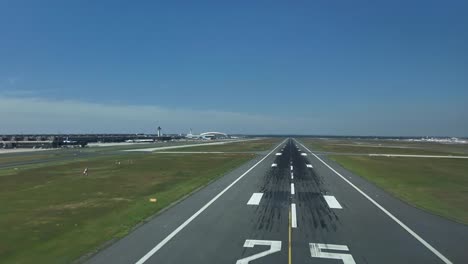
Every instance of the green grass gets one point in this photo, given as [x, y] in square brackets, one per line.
[246, 146]
[439, 186]
[6, 158]
[54, 214]
[382, 147]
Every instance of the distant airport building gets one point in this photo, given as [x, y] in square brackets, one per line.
[159, 131]
[29, 142]
[214, 135]
[208, 135]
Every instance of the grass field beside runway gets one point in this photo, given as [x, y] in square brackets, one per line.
[53, 213]
[73, 153]
[383, 147]
[437, 185]
[24, 157]
[246, 146]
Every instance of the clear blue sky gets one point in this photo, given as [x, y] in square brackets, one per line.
[308, 67]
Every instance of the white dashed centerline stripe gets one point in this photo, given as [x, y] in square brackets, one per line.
[332, 202]
[292, 176]
[293, 216]
[274, 165]
[278, 154]
[405, 227]
[188, 221]
[291, 167]
[255, 199]
[304, 154]
[292, 189]
[309, 165]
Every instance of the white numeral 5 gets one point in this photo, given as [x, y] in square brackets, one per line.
[316, 252]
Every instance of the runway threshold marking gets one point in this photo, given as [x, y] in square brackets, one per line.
[189, 220]
[332, 202]
[255, 199]
[394, 218]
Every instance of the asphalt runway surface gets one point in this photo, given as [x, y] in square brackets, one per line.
[291, 206]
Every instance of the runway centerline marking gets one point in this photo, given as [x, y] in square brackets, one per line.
[304, 154]
[332, 202]
[292, 189]
[293, 216]
[255, 199]
[279, 154]
[292, 176]
[274, 165]
[405, 227]
[188, 221]
[291, 167]
[309, 165]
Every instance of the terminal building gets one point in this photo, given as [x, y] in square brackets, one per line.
[214, 135]
[29, 142]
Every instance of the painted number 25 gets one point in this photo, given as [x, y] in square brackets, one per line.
[316, 251]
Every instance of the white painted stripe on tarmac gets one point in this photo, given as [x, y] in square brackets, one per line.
[292, 176]
[255, 199]
[304, 154]
[274, 165]
[293, 216]
[188, 221]
[278, 154]
[418, 156]
[405, 227]
[292, 189]
[309, 166]
[332, 202]
[291, 167]
[187, 146]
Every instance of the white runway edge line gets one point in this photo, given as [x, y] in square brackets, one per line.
[420, 239]
[184, 224]
[332, 202]
[293, 216]
[255, 199]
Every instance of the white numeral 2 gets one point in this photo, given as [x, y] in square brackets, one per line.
[275, 246]
[316, 252]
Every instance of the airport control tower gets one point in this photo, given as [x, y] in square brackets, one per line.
[159, 131]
